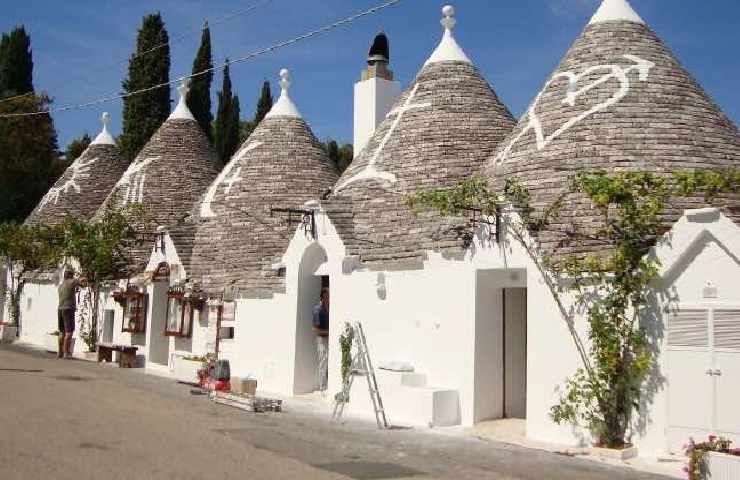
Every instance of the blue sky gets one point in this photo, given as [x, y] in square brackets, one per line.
[81, 47]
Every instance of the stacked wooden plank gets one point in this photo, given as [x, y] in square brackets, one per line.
[248, 403]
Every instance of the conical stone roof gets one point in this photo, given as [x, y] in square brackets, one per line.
[167, 177]
[619, 100]
[280, 165]
[441, 131]
[85, 184]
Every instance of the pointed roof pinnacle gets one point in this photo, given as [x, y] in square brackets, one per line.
[616, 10]
[104, 137]
[448, 50]
[284, 107]
[182, 111]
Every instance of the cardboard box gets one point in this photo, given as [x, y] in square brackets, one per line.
[244, 386]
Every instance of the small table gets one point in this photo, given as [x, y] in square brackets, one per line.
[126, 357]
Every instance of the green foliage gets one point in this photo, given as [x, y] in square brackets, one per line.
[26, 248]
[199, 98]
[76, 147]
[28, 145]
[16, 63]
[149, 66]
[226, 128]
[100, 247]
[264, 104]
[346, 339]
[697, 453]
[340, 157]
[100, 250]
[29, 160]
[612, 287]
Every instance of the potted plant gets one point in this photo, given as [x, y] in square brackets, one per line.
[712, 459]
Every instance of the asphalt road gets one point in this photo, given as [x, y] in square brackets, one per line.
[70, 419]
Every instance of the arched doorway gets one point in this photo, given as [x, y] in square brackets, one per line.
[312, 278]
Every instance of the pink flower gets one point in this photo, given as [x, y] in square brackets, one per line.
[712, 438]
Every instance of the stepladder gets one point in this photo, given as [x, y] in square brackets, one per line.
[362, 366]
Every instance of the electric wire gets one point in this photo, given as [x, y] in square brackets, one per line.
[169, 42]
[250, 56]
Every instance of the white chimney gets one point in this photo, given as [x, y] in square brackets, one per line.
[375, 93]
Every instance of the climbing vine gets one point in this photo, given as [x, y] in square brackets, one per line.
[346, 339]
[611, 287]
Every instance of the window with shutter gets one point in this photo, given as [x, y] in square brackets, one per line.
[727, 329]
[688, 328]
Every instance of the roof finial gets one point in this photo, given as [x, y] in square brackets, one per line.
[449, 21]
[284, 79]
[182, 111]
[104, 137]
[448, 49]
[284, 107]
[614, 11]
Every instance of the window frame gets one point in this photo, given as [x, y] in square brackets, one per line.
[141, 301]
[185, 322]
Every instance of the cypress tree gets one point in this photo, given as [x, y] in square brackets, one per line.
[264, 104]
[76, 147]
[199, 99]
[29, 158]
[16, 63]
[149, 66]
[226, 127]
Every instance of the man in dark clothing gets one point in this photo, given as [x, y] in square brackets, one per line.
[321, 327]
[66, 311]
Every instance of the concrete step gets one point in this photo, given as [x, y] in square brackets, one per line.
[407, 399]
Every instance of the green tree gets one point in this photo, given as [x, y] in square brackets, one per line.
[340, 157]
[264, 104]
[76, 147]
[148, 67]
[16, 63]
[29, 159]
[199, 98]
[100, 249]
[612, 288]
[226, 127]
[25, 248]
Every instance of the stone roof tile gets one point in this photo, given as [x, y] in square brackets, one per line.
[618, 101]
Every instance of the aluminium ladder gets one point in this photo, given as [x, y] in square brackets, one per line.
[361, 365]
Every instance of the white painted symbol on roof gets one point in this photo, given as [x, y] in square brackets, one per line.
[205, 206]
[80, 169]
[618, 72]
[134, 179]
[372, 173]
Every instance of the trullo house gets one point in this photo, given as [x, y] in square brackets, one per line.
[79, 192]
[167, 177]
[620, 101]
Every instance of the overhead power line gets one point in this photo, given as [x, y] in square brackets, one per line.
[250, 56]
[169, 42]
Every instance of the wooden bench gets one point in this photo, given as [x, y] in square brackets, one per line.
[126, 357]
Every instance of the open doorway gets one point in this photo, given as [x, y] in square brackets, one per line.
[500, 367]
[159, 345]
[312, 280]
[515, 352]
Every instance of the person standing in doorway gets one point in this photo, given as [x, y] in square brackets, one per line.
[66, 311]
[321, 327]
